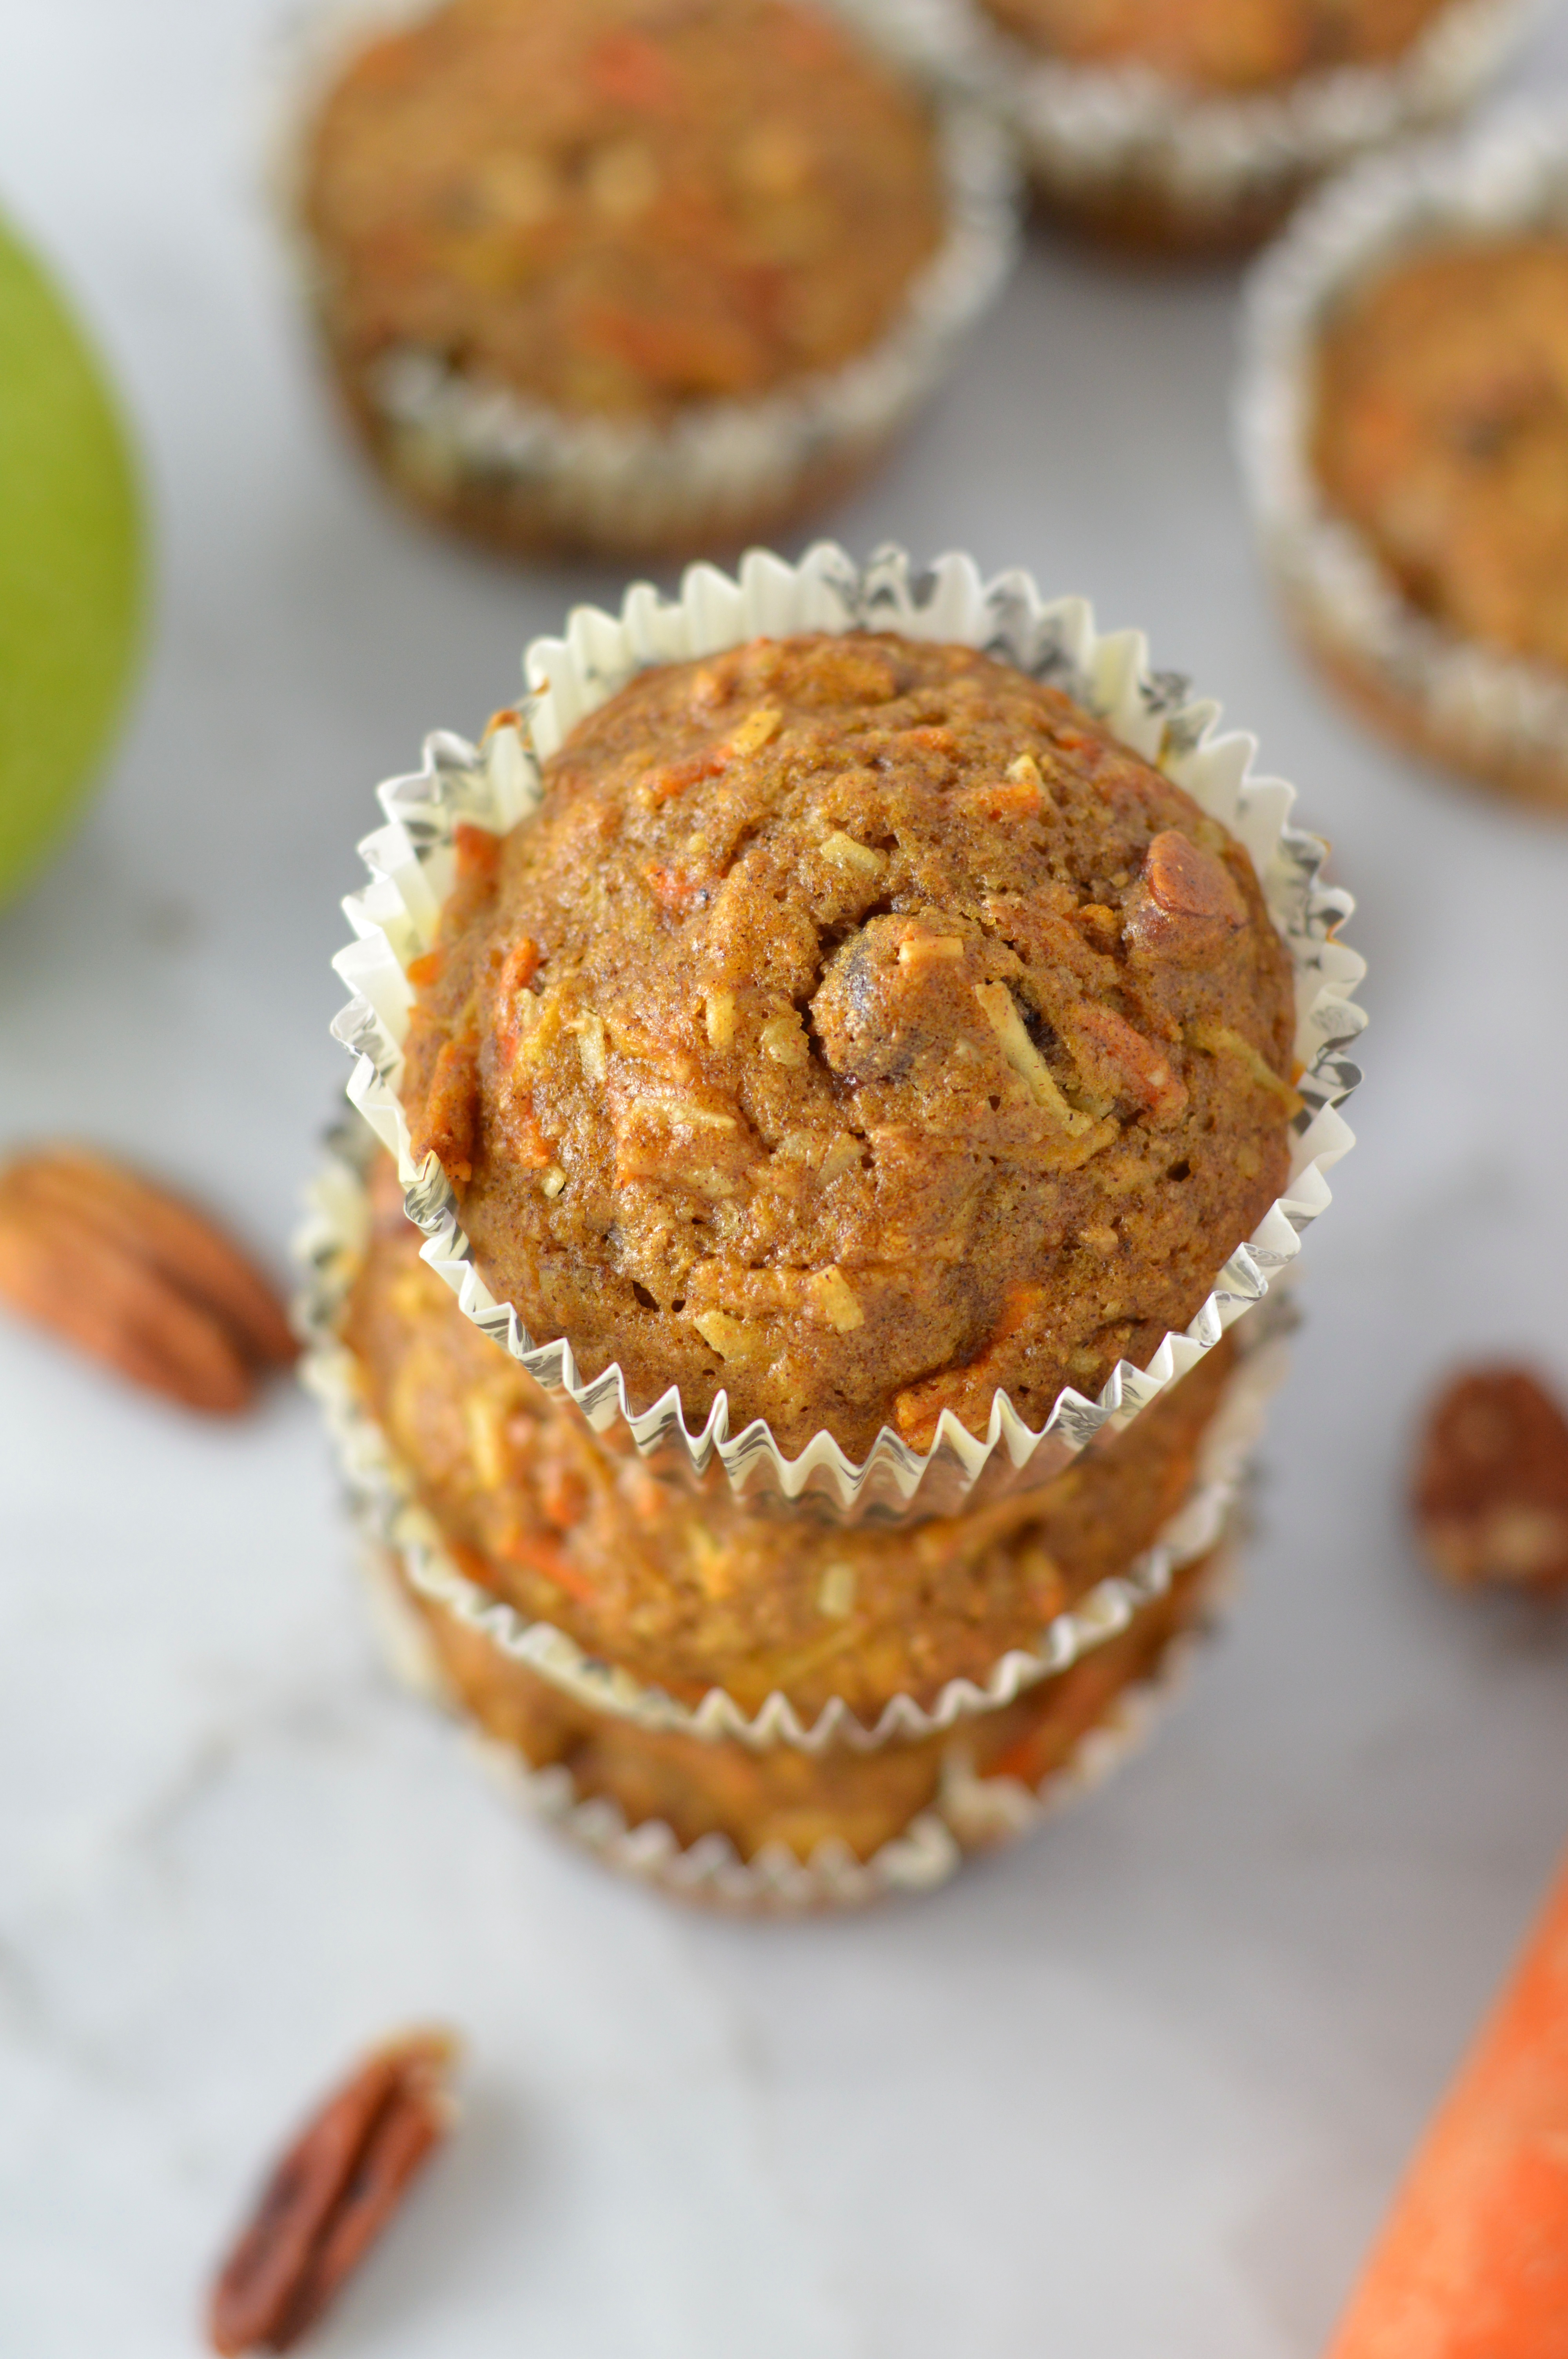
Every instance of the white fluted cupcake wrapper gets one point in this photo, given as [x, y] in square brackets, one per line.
[1511, 176]
[330, 1244]
[637, 484]
[1093, 134]
[970, 1813]
[496, 785]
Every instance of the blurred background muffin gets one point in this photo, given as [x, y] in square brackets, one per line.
[638, 276]
[1405, 415]
[1196, 124]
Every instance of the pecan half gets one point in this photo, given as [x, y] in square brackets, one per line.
[1490, 1492]
[1186, 905]
[332, 2193]
[137, 1277]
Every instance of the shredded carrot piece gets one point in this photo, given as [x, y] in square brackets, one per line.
[671, 888]
[628, 68]
[478, 852]
[520, 965]
[674, 778]
[546, 1559]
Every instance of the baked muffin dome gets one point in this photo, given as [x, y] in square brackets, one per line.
[619, 207]
[1442, 434]
[1233, 46]
[858, 1028]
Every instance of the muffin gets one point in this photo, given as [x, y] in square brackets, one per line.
[857, 1029]
[736, 971]
[637, 276]
[1410, 359]
[1198, 123]
[695, 1592]
[979, 1782]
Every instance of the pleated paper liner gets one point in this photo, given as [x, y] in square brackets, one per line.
[496, 785]
[484, 457]
[973, 1804]
[1138, 156]
[1500, 718]
[331, 1245]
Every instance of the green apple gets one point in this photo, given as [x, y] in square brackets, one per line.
[72, 566]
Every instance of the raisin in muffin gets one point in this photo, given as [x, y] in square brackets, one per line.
[689, 1592]
[858, 1028]
[562, 256]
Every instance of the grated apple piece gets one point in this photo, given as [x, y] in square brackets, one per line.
[835, 1298]
[718, 1016]
[1001, 1013]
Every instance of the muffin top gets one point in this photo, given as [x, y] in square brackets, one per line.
[858, 1027]
[1231, 45]
[1442, 434]
[620, 206]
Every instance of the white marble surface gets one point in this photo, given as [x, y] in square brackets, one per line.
[1140, 2089]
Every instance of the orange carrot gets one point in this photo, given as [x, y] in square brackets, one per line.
[1474, 2263]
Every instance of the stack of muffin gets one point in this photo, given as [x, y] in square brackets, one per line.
[850, 1074]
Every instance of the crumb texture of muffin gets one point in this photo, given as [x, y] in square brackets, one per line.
[618, 208]
[797, 1799]
[1231, 47]
[691, 1591]
[858, 1028]
[1440, 435]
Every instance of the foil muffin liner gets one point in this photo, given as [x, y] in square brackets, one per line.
[497, 784]
[1178, 165]
[722, 470]
[970, 1813]
[1489, 713]
[331, 1245]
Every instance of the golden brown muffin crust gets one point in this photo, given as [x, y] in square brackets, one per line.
[692, 1592]
[1442, 435]
[858, 1028]
[1220, 45]
[620, 206]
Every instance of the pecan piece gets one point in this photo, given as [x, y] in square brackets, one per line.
[1187, 904]
[1114, 1057]
[137, 1279]
[1490, 1493]
[330, 2197]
